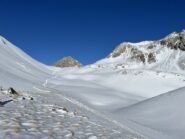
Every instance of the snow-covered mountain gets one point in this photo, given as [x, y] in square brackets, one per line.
[166, 54]
[109, 92]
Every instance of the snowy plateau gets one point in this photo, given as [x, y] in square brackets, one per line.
[136, 92]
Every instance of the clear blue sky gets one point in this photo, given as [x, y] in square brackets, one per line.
[88, 30]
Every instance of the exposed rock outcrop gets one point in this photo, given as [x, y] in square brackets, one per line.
[145, 52]
[175, 40]
[120, 49]
[151, 58]
[68, 62]
[137, 55]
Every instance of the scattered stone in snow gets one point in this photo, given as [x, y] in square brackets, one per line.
[59, 109]
[12, 91]
[65, 109]
[39, 121]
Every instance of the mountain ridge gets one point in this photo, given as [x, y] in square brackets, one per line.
[166, 54]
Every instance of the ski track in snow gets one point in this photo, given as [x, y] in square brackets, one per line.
[130, 129]
[40, 90]
[53, 77]
[23, 66]
[77, 103]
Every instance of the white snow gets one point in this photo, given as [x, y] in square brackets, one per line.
[164, 113]
[108, 99]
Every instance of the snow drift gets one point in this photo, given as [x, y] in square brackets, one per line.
[164, 113]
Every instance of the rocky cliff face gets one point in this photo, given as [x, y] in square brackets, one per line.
[68, 62]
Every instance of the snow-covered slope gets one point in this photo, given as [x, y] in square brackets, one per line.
[164, 114]
[132, 73]
[138, 82]
[19, 70]
[44, 116]
[49, 87]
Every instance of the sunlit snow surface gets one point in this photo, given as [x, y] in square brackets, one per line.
[45, 117]
[96, 96]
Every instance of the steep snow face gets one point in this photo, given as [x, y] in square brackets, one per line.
[19, 70]
[164, 55]
[164, 114]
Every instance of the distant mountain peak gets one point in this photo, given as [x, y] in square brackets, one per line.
[68, 61]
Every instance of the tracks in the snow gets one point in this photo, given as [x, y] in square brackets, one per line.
[128, 133]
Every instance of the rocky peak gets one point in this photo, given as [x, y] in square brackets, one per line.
[120, 49]
[175, 40]
[68, 62]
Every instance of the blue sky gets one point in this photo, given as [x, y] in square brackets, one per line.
[88, 30]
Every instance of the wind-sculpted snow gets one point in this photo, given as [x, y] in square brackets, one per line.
[47, 116]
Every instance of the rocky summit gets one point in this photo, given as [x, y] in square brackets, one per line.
[68, 62]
